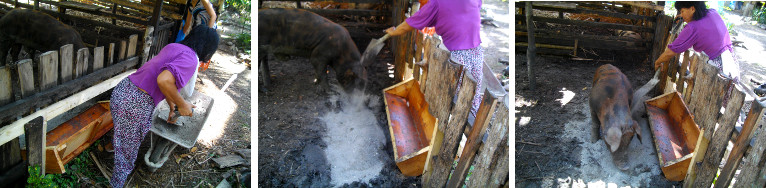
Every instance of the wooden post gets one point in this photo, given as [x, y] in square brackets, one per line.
[6, 90]
[147, 45]
[483, 115]
[48, 67]
[26, 77]
[81, 64]
[98, 58]
[155, 20]
[442, 159]
[123, 49]
[751, 174]
[428, 43]
[712, 158]
[753, 120]
[531, 49]
[492, 153]
[682, 72]
[114, 12]
[35, 137]
[66, 63]
[110, 58]
[705, 104]
[132, 45]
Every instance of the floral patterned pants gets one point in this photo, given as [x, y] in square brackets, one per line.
[131, 112]
[473, 62]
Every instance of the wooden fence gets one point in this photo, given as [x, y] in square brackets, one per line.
[703, 91]
[613, 20]
[33, 91]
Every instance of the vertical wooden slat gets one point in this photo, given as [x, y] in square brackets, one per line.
[26, 77]
[10, 154]
[428, 43]
[48, 67]
[483, 115]
[147, 45]
[492, 152]
[98, 58]
[6, 90]
[110, 56]
[399, 8]
[751, 170]
[682, 72]
[441, 160]
[531, 49]
[705, 104]
[132, 45]
[67, 55]
[717, 147]
[81, 64]
[754, 118]
[34, 132]
[123, 50]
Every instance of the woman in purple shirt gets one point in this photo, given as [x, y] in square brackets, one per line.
[134, 98]
[706, 32]
[459, 23]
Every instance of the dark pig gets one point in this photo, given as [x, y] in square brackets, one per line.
[610, 100]
[302, 33]
[36, 30]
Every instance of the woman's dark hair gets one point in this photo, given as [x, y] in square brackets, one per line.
[699, 6]
[203, 40]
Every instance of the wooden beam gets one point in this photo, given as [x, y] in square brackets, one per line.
[754, 120]
[483, 116]
[751, 172]
[531, 49]
[560, 9]
[492, 152]
[9, 112]
[590, 24]
[104, 14]
[720, 140]
[145, 8]
[642, 5]
[585, 41]
[524, 44]
[443, 160]
[34, 132]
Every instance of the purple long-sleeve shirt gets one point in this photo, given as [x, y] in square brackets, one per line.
[708, 34]
[457, 21]
[178, 59]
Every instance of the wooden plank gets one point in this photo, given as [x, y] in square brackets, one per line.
[693, 68]
[560, 9]
[13, 175]
[428, 43]
[144, 8]
[147, 45]
[750, 173]
[531, 49]
[589, 24]
[98, 58]
[132, 19]
[67, 66]
[440, 88]
[34, 132]
[110, 55]
[492, 151]
[483, 116]
[123, 49]
[441, 163]
[81, 64]
[582, 41]
[48, 67]
[132, 46]
[660, 33]
[11, 154]
[53, 163]
[712, 159]
[6, 91]
[753, 120]
[642, 5]
[682, 72]
[8, 113]
[705, 104]
[26, 77]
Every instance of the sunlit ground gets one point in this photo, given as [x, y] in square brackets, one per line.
[223, 106]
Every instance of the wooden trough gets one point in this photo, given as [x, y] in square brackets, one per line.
[410, 124]
[675, 133]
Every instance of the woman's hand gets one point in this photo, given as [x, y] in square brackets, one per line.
[186, 109]
[399, 30]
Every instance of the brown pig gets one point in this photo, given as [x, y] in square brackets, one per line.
[36, 30]
[610, 100]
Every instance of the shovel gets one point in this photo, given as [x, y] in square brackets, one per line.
[374, 48]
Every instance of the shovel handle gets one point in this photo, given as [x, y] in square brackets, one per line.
[384, 38]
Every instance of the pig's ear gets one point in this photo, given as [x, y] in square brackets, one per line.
[637, 130]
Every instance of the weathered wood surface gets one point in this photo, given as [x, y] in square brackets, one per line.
[26, 77]
[147, 40]
[123, 50]
[48, 69]
[440, 88]
[67, 65]
[8, 113]
[442, 162]
[34, 132]
[548, 7]
[428, 43]
[110, 55]
[589, 23]
[682, 72]
[488, 162]
[531, 49]
[81, 63]
[660, 34]
[751, 174]
[98, 58]
[705, 104]
[132, 45]
[144, 8]
[6, 91]
[717, 146]
[754, 119]
[483, 116]
[11, 154]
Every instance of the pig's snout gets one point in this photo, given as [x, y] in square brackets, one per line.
[613, 138]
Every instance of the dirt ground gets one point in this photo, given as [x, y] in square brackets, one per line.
[553, 121]
[298, 127]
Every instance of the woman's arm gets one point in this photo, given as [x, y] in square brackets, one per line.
[399, 30]
[167, 84]
[210, 11]
[665, 57]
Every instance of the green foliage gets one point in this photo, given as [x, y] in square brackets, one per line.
[242, 41]
[37, 180]
[760, 15]
[242, 5]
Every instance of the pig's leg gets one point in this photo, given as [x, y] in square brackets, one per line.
[320, 68]
[263, 66]
[15, 50]
[5, 45]
[595, 126]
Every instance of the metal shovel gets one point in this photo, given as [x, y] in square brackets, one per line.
[374, 48]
